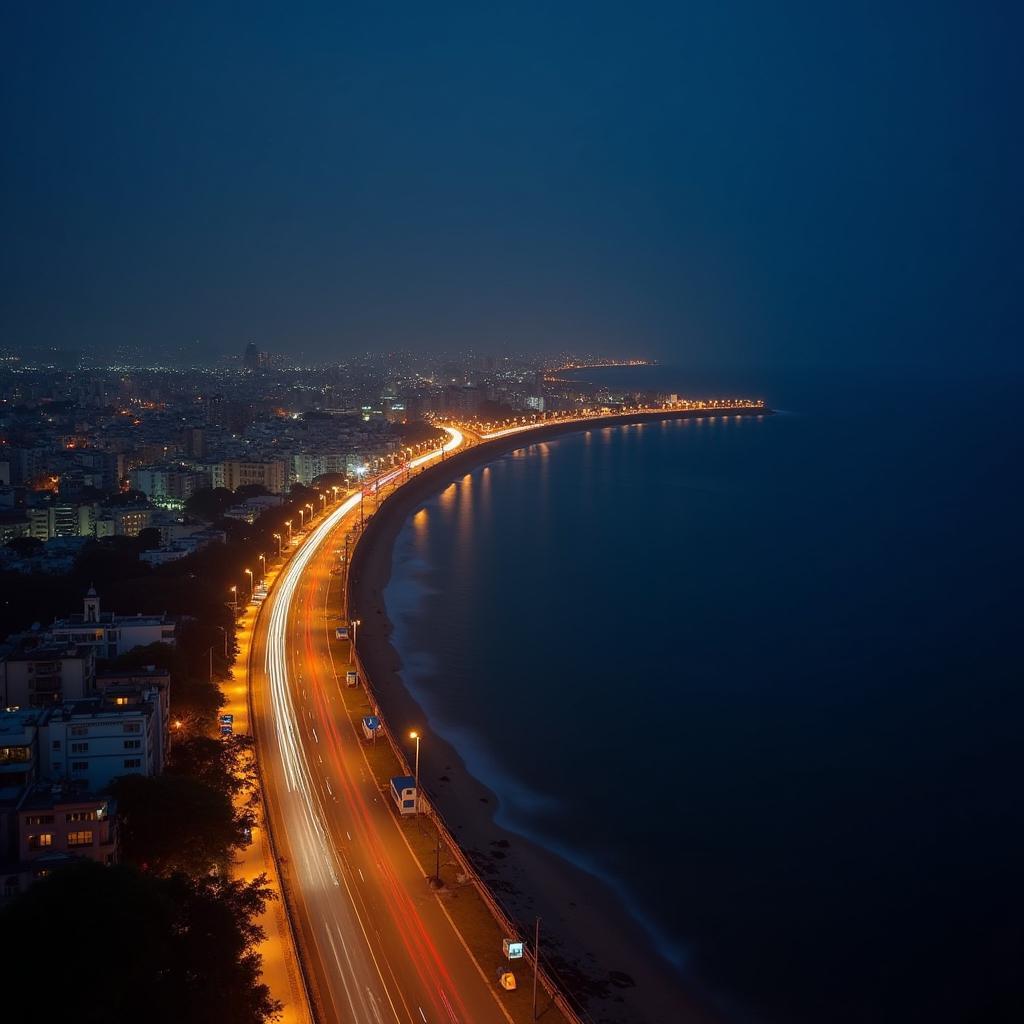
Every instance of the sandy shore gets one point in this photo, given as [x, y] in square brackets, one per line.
[600, 952]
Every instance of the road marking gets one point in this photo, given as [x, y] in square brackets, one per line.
[422, 1014]
[349, 834]
[360, 870]
[328, 782]
[313, 731]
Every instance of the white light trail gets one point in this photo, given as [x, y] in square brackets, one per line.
[310, 843]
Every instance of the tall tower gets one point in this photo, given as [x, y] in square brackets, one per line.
[251, 359]
[92, 606]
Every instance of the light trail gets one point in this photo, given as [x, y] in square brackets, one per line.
[356, 983]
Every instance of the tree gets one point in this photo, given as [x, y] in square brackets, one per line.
[250, 491]
[123, 498]
[25, 547]
[149, 538]
[173, 823]
[210, 503]
[194, 699]
[226, 764]
[184, 950]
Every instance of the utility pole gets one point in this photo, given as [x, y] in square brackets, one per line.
[536, 960]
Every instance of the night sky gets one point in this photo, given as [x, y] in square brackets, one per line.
[711, 183]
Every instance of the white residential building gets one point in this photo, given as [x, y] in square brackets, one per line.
[111, 634]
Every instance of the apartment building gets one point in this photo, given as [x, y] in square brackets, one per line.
[111, 634]
[232, 474]
[47, 674]
[89, 743]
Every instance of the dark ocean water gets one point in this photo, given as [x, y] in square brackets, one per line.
[764, 675]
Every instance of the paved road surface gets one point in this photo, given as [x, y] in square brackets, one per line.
[378, 945]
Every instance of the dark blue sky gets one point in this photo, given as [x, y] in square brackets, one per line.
[723, 183]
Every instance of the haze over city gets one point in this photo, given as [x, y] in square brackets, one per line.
[734, 184]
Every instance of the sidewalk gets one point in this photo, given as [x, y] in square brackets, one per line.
[281, 970]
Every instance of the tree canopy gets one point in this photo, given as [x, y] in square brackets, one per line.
[176, 823]
[163, 950]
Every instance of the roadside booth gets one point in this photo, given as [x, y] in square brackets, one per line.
[403, 790]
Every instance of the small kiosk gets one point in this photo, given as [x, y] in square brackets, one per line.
[403, 789]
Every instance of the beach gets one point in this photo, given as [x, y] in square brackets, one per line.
[598, 949]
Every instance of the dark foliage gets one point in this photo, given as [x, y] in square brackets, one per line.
[136, 947]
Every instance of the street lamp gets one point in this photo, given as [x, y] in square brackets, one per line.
[309, 505]
[277, 537]
[416, 736]
[302, 518]
[263, 559]
[356, 623]
[249, 571]
[323, 498]
[288, 523]
[234, 600]
[225, 632]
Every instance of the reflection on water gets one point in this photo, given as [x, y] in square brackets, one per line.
[728, 663]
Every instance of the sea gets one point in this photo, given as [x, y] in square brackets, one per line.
[763, 675]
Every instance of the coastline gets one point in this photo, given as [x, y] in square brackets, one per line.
[600, 950]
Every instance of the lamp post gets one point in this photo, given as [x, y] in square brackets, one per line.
[277, 537]
[302, 518]
[309, 505]
[323, 499]
[263, 559]
[416, 736]
[225, 632]
[251, 588]
[234, 600]
[356, 623]
[288, 523]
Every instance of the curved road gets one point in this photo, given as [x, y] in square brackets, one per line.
[377, 944]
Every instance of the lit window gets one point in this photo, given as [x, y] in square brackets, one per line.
[81, 816]
[83, 838]
[41, 841]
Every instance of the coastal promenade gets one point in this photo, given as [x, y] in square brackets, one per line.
[374, 941]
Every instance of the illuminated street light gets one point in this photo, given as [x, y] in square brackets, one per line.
[302, 518]
[288, 523]
[277, 537]
[264, 573]
[416, 736]
[251, 588]
[234, 600]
